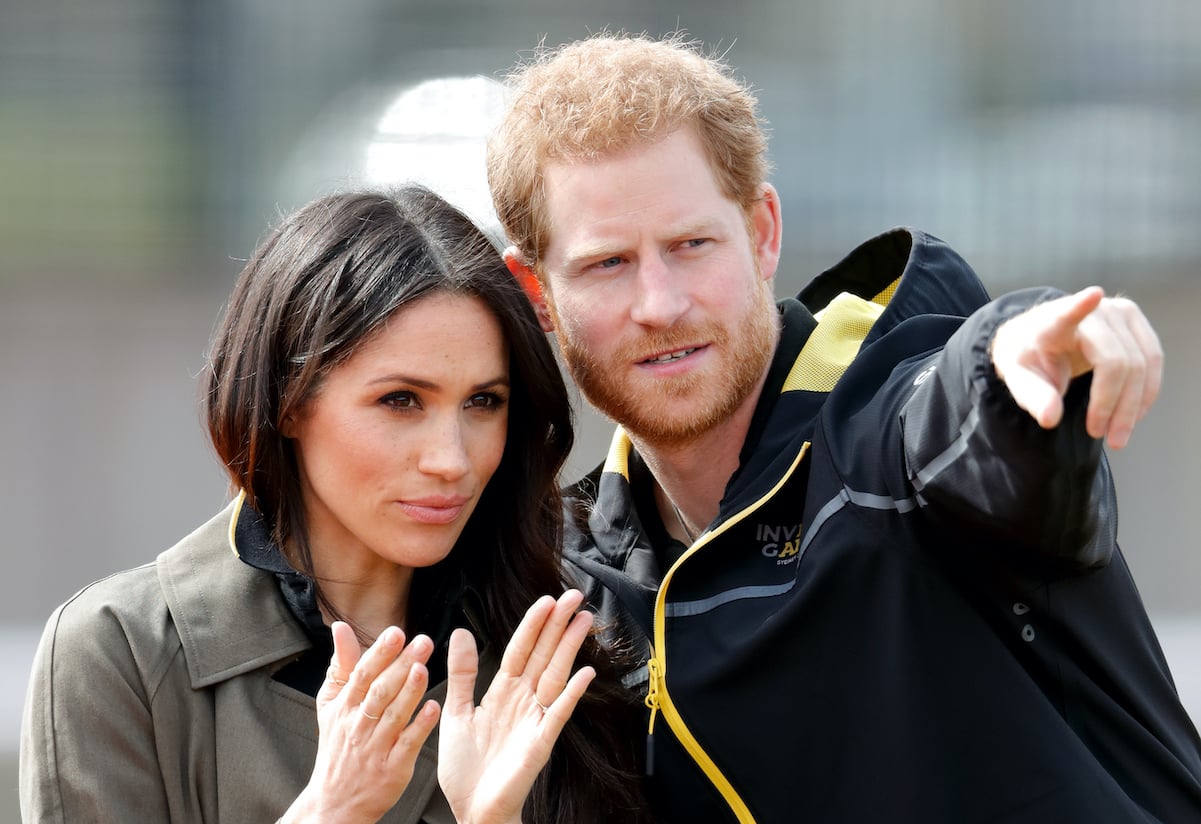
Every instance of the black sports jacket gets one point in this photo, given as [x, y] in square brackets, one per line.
[911, 606]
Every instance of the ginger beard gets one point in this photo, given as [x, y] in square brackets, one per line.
[675, 410]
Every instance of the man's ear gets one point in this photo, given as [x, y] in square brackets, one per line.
[532, 286]
[767, 231]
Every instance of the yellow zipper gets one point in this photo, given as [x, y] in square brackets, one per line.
[657, 697]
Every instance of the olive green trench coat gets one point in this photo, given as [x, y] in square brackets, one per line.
[151, 699]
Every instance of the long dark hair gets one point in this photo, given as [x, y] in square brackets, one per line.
[316, 288]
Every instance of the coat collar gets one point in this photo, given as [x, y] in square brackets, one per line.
[229, 615]
[906, 272]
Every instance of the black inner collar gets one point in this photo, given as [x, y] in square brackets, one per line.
[442, 608]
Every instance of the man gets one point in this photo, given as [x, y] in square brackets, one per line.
[868, 535]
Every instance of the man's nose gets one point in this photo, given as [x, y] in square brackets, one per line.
[660, 294]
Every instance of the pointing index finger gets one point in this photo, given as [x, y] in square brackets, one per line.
[1081, 304]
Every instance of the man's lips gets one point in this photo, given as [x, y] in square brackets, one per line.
[669, 356]
[434, 509]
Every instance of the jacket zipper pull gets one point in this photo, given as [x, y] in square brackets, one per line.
[655, 673]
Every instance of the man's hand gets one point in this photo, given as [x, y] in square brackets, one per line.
[1038, 352]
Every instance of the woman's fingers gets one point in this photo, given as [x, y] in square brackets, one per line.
[383, 685]
[559, 711]
[373, 662]
[394, 698]
[462, 668]
[370, 728]
[409, 742]
[552, 630]
[574, 690]
[555, 675]
[342, 662]
[521, 645]
[397, 686]
[550, 663]
[543, 649]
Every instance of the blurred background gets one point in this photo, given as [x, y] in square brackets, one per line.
[145, 146]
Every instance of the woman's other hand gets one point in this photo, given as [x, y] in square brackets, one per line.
[489, 756]
[369, 736]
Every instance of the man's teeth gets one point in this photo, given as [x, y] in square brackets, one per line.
[670, 356]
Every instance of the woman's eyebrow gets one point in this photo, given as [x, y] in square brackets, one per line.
[424, 383]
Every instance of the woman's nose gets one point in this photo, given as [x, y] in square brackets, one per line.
[444, 452]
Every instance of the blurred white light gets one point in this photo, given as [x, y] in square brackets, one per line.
[435, 134]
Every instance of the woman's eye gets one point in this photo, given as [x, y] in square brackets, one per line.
[486, 400]
[400, 400]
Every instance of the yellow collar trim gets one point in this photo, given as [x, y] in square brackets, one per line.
[618, 459]
[233, 523]
[834, 343]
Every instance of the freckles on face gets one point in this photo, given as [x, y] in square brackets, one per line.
[397, 445]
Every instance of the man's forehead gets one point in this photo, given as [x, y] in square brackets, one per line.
[593, 203]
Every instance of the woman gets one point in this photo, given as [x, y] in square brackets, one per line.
[393, 420]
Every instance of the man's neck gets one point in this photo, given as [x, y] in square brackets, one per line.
[691, 476]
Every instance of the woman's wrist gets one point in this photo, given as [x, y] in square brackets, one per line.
[313, 807]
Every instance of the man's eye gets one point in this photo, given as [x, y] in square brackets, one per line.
[609, 263]
[695, 242]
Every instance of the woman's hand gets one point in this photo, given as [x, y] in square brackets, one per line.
[489, 756]
[368, 744]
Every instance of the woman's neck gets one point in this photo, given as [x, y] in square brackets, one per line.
[370, 597]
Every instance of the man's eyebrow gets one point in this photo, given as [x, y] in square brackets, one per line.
[699, 226]
[591, 251]
[586, 251]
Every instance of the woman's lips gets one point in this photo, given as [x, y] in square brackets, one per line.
[434, 510]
